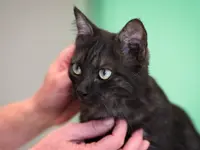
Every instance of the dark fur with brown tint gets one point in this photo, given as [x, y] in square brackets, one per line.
[130, 93]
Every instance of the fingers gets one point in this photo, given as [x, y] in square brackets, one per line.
[135, 141]
[67, 53]
[145, 145]
[82, 131]
[62, 61]
[71, 110]
[116, 140]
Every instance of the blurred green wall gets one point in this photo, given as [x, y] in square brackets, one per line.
[173, 28]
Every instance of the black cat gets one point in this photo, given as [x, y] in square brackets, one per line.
[109, 72]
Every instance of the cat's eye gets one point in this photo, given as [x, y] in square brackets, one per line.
[76, 69]
[105, 74]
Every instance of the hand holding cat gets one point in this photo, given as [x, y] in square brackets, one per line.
[54, 98]
[72, 135]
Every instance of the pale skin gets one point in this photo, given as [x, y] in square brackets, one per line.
[22, 121]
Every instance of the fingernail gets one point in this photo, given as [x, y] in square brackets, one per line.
[108, 122]
[138, 132]
[146, 144]
[120, 120]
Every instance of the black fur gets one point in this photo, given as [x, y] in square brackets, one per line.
[130, 93]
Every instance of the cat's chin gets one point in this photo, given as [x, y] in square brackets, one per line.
[99, 117]
[89, 112]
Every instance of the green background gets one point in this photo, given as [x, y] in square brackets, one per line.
[173, 28]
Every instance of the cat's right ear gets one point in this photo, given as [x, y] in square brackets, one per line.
[84, 25]
[133, 37]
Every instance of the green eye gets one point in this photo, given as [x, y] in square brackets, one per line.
[76, 69]
[105, 74]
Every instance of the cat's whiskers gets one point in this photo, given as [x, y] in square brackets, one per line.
[122, 114]
[106, 108]
[110, 112]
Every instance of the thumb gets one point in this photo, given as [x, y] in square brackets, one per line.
[91, 129]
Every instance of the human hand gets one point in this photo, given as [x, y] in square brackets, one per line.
[72, 136]
[53, 98]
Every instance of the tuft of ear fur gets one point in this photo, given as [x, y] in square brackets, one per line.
[133, 39]
[133, 31]
[84, 25]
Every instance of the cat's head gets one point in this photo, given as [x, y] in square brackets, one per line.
[108, 69]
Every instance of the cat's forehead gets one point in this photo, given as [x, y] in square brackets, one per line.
[100, 53]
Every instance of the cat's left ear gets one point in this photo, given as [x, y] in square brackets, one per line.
[84, 25]
[133, 36]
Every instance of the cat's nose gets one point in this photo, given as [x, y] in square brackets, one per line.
[82, 92]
